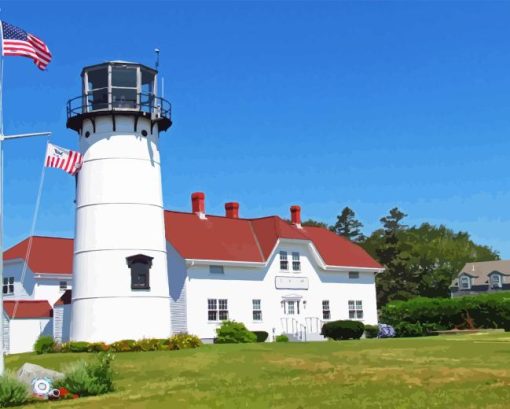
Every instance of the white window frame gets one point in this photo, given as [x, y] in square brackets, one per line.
[353, 275]
[8, 286]
[296, 261]
[218, 307]
[461, 285]
[355, 309]
[326, 310]
[284, 261]
[257, 309]
[499, 283]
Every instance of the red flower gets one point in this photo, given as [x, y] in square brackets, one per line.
[63, 391]
[76, 396]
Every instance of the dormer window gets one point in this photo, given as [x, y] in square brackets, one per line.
[465, 283]
[140, 266]
[496, 280]
[284, 262]
[296, 263]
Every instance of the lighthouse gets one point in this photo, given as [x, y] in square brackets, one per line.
[120, 273]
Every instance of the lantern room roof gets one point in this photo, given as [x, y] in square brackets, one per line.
[118, 63]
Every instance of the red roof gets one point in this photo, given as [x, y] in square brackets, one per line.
[48, 255]
[213, 238]
[253, 240]
[28, 309]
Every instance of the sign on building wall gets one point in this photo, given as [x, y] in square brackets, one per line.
[291, 283]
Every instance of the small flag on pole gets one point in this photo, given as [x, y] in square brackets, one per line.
[17, 42]
[57, 157]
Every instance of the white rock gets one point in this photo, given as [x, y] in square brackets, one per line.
[28, 372]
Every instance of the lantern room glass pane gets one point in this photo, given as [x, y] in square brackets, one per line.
[97, 89]
[123, 98]
[124, 77]
[98, 78]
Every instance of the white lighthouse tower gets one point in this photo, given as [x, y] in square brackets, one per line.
[120, 277]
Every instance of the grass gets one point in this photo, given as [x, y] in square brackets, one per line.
[461, 371]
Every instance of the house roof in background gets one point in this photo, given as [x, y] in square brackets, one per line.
[480, 271]
[28, 309]
[253, 240]
[48, 255]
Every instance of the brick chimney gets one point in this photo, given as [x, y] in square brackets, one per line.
[232, 210]
[198, 204]
[295, 216]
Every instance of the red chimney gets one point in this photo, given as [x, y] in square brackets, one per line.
[198, 203]
[232, 210]
[295, 215]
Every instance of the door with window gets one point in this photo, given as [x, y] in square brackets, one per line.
[291, 307]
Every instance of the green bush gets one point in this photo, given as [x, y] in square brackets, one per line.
[183, 341]
[149, 344]
[405, 329]
[232, 332]
[98, 347]
[343, 329]
[481, 311]
[261, 335]
[12, 391]
[89, 378]
[282, 338]
[371, 331]
[44, 344]
[125, 345]
[78, 346]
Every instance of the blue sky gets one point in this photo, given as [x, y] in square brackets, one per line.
[365, 104]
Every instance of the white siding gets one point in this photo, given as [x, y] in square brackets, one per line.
[5, 330]
[61, 322]
[24, 332]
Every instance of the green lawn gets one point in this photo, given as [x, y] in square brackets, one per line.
[463, 371]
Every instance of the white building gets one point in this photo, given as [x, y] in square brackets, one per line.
[139, 271]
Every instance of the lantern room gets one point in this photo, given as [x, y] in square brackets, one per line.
[118, 87]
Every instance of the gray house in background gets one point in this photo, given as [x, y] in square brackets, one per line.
[482, 277]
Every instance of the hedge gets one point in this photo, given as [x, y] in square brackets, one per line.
[261, 335]
[343, 329]
[433, 314]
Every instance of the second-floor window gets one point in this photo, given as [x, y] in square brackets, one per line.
[496, 280]
[464, 283]
[284, 263]
[257, 310]
[217, 309]
[356, 309]
[8, 285]
[296, 263]
[326, 313]
[63, 285]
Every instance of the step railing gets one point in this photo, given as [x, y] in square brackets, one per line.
[292, 326]
[314, 325]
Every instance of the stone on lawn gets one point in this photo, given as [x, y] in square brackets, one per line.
[28, 372]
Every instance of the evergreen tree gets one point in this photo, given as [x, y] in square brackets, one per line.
[348, 226]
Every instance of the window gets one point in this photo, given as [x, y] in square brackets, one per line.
[216, 270]
[257, 311]
[496, 280]
[326, 313]
[140, 266]
[8, 285]
[296, 264]
[284, 264]
[464, 283]
[63, 285]
[290, 308]
[217, 309]
[355, 309]
[353, 275]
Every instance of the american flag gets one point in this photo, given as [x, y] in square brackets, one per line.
[18, 42]
[69, 161]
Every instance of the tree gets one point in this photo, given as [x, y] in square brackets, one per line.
[314, 223]
[348, 226]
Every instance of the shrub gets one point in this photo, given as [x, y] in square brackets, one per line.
[405, 329]
[232, 332]
[125, 345]
[282, 338]
[149, 344]
[183, 341]
[44, 344]
[261, 335]
[343, 329]
[371, 331]
[98, 347]
[12, 391]
[78, 346]
[89, 378]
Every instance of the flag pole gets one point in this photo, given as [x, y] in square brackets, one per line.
[2, 349]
